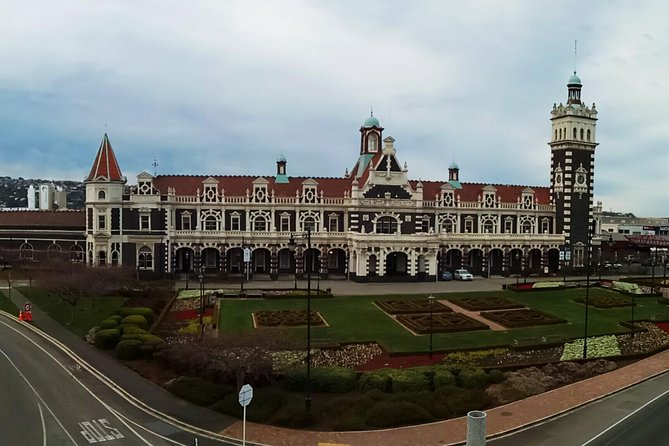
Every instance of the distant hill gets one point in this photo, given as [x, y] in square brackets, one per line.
[14, 192]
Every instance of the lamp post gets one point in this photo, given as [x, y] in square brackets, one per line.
[292, 245]
[187, 256]
[587, 293]
[241, 267]
[431, 299]
[201, 277]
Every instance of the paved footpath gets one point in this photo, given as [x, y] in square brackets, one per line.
[499, 420]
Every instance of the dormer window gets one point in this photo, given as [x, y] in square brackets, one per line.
[186, 221]
[260, 194]
[102, 195]
[447, 199]
[310, 191]
[527, 199]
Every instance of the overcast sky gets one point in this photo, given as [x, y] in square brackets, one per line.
[224, 87]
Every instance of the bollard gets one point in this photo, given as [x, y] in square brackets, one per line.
[476, 428]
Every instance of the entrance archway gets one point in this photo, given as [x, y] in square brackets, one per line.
[496, 261]
[184, 258]
[260, 261]
[453, 259]
[554, 260]
[396, 264]
[336, 261]
[535, 261]
[210, 259]
[515, 261]
[475, 261]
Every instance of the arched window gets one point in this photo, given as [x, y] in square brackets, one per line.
[574, 132]
[102, 258]
[260, 224]
[373, 142]
[76, 253]
[145, 258]
[309, 223]
[447, 226]
[386, 225]
[210, 223]
[53, 251]
[527, 227]
[101, 195]
[488, 226]
[582, 134]
[588, 135]
[560, 134]
[26, 251]
[556, 134]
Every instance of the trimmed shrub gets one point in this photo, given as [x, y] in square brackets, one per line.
[135, 319]
[133, 329]
[125, 337]
[199, 391]
[108, 323]
[496, 377]
[323, 379]
[379, 380]
[473, 378]
[107, 339]
[396, 413]
[145, 312]
[266, 402]
[129, 349]
[443, 377]
[149, 339]
[410, 381]
[115, 317]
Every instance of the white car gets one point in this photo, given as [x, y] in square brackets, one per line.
[462, 274]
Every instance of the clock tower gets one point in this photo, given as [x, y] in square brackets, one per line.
[573, 144]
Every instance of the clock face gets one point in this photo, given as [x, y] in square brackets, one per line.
[580, 179]
[558, 178]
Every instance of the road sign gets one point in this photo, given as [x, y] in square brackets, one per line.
[247, 255]
[245, 395]
[27, 307]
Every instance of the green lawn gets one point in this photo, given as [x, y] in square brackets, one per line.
[88, 312]
[357, 319]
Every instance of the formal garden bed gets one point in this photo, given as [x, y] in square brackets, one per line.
[287, 318]
[610, 301]
[522, 318]
[440, 323]
[412, 306]
[486, 303]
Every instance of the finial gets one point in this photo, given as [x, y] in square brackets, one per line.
[575, 54]
[371, 110]
[155, 165]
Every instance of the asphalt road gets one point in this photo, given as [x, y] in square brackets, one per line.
[49, 399]
[632, 417]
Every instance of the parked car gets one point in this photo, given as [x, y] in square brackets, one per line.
[613, 266]
[446, 275]
[462, 274]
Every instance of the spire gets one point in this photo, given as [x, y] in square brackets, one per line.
[105, 166]
[574, 89]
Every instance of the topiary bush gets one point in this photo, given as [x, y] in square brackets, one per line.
[199, 391]
[406, 381]
[125, 337]
[115, 317]
[149, 339]
[396, 413]
[135, 319]
[145, 312]
[473, 378]
[133, 329]
[496, 377]
[128, 349]
[377, 380]
[108, 323]
[107, 339]
[443, 377]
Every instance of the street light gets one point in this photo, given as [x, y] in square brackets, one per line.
[587, 291]
[241, 267]
[201, 277]
[431, 299]
[307, 235]
[292, 246]
[187, 256]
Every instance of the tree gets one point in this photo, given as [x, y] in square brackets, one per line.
[70, 281]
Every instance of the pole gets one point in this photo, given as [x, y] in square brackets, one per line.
[307, 400]
[431, 318]
[201, 304]
[587, 299]
[244, 428]
[241, 267]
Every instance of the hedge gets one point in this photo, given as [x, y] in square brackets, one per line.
[496, 376]
[135, 319]
[473, 378]
[265, 403]
[443, 377]
[396, 413]
[107, 339]
[149, 339]
[323, 379]
[133, 329]
[108, 323]
[129, 349]
[378, 380]
[145, 312]
[198, 390]
[406, 381]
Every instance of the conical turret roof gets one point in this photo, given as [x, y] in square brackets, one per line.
[105, 167]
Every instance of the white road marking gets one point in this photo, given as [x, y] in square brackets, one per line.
[105, 405]
[41, 417]
[624, 418]
[39, 397]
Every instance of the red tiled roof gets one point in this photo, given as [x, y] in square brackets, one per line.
[105, 165]
[236, 186]
[29, 218]
[472, 191]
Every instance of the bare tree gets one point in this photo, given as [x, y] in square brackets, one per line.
[70, 281]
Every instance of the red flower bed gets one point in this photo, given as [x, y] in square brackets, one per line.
[664, 326]
[184, 315]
